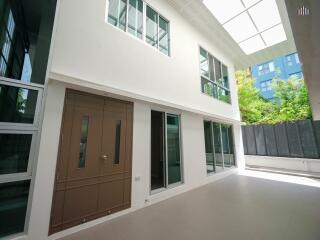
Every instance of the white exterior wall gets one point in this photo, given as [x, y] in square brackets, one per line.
[91, 55]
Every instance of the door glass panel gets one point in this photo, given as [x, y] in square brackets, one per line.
[217, 145]
[83, 141]
[14, 152]
[231, 146]
[225, 144]
[117, 143]
[13, 207]
[135, 18]
[209, 147]
[173, 148]
[152, 27]
[17, 105]
[157, 150]
[164, 36]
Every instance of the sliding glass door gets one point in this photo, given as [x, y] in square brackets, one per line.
[165, 150]
[218, 146]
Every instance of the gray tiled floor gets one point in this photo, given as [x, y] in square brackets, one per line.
[236, 207]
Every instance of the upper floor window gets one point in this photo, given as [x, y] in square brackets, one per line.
[214, 77]
[266, 68]
[140, 20]
[266, 86]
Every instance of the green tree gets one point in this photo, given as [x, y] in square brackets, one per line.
[253, 107]
[291, 100]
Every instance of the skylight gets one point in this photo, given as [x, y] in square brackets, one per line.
[253, 24]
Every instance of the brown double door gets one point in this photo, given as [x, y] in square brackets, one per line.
[93, 177]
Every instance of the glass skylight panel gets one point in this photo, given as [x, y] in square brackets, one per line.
[252, 45]
[224, 10]
[249, 3]
[241, 27]
[274, 35]
[253, 24]
[265, 14]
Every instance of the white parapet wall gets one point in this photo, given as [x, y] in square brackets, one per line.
[308, 165]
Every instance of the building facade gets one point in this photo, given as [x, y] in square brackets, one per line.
[282, 67]
[107, 107]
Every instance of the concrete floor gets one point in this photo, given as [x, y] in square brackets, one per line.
[237, 207]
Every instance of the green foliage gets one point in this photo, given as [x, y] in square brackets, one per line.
[291, 101]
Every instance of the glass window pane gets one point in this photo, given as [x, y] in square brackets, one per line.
[231, 146]
[13, 207]
[217, 65]
[158, 168]
[225, 76]
[14, 152]
[217, 145]
[117, 143]
[209, 88]
[173, 148]
[17, 105]
[152, 27]
[25, 32]
[135, 18]
[164, 44]
[83, 141]
[224, 95]
[204, 63]
[225, 145]
[113, 12]
[209, 147]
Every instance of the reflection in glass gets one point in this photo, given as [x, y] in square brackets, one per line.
[173, 145]
[225, 144]
[25, 35]
[225, 76]
[135, 18]
[152, 27]
[231, 146]
[158, 163]
[209, 147]
[14, 152]
[83, 141]
[17, 105]
[117, 143]
[217, 144]
[204, 63]
[217, 65]
[164, 36]
[13, 207]
[117, 13]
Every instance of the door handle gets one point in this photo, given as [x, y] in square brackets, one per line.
[104, 157]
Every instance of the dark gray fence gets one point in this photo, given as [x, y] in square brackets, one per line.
[299, 139]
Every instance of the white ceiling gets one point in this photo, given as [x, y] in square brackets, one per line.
[242, 31]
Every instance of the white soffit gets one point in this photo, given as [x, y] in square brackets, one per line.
[253, 24]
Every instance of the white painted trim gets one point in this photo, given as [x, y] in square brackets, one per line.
[77, 83]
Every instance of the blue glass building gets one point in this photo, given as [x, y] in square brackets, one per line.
[282, 67]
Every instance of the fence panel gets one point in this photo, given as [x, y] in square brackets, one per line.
[281, 140]
[308, 141]
[298, 139]
[244, 140]
[294, 142]
[270, 138]
[251, 141]
[260, 141]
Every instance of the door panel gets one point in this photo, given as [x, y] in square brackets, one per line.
[93, 176]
